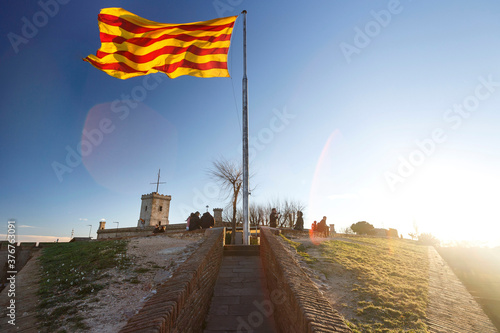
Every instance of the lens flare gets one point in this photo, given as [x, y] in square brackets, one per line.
[319, 187]
[121, 150]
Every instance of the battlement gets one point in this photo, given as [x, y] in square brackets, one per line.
[156, 195]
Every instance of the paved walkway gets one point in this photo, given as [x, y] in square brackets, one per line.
[26, 299]
[241, 298]
[451, 307]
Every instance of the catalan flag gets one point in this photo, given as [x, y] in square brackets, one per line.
[133, 46]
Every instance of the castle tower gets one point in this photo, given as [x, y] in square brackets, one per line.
[154, 209]
[218, 217]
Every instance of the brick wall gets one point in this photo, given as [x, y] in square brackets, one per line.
[303, 308]
[181, 303]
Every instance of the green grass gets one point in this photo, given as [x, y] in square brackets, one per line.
[72, 272]
[141, 270]
[301, 250]
[392, 282]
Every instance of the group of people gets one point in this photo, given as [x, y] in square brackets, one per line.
[321, 227]
[159, 229]
[194, 222]
[273, 220]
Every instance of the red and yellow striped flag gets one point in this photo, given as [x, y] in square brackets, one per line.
[133, 46]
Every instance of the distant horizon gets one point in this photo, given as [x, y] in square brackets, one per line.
[63, 239]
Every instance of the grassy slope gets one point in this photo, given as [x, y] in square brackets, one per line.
[72, 273]
[391, 291]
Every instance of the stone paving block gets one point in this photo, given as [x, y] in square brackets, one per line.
[242, 309]
[240, 283]
[226, 300]
[218, 323]
[220, 309]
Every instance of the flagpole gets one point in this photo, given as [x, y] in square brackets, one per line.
[246, 231]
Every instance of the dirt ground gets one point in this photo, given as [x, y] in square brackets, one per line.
[161, 255]
[153, 258]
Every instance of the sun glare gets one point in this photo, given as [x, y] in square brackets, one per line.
[454, 203]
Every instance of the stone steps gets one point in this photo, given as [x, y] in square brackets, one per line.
[241, 300]
[241, 250]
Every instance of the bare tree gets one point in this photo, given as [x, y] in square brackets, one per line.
[228, 175]
[287, 210]
[347, 231]
[253, 214]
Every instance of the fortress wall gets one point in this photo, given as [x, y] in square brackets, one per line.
[136, 231]
[305, 308]
[181, 303]
[23, 253]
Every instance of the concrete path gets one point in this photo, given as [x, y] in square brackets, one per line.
[240, 298]
[26, 299]
[451, 307]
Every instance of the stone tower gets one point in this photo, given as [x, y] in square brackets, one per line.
[218, 217]
[154, 209]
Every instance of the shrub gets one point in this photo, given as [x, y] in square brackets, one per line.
[428, 239]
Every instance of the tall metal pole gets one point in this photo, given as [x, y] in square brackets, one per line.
[246, 230]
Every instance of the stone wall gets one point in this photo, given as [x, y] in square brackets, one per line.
[305, 308]
[136, 232]
[181, 304]
[23, 253]
[291, 233]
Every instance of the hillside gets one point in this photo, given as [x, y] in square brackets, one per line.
[377, 284]
[389, 285]
[94, 286]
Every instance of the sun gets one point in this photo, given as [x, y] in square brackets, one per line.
[454, 203]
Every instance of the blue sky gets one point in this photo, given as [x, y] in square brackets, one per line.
[384, 111]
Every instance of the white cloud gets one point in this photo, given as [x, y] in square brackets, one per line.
[25, 226]
[82, 219]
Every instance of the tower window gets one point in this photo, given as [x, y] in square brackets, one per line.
[161, 208]
[145, 208]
